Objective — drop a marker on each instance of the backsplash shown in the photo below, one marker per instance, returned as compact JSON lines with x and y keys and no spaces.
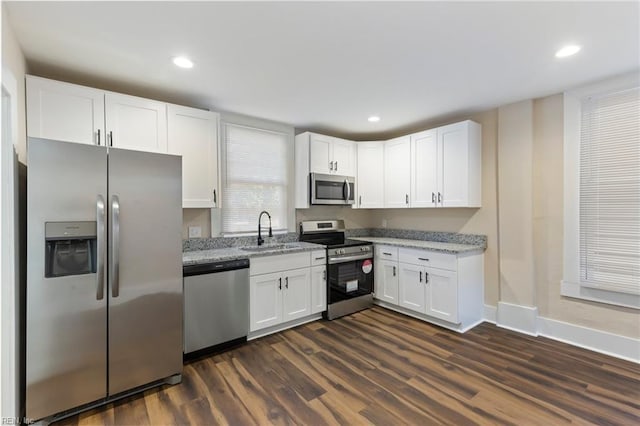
{"x":193,"y":244}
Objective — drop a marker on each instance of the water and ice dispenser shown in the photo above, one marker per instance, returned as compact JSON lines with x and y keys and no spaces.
{"x":70,"y":248}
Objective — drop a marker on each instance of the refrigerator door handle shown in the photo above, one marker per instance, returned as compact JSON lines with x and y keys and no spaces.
{"x":115,"y":246}
{"x":101,"y":247}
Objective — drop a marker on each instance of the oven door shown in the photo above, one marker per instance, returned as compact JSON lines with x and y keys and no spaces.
{"x":349,"y":279}
{"x":332,"y":189}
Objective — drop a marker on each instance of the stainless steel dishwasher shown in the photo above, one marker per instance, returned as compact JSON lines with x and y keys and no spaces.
{"x":216,"y":306}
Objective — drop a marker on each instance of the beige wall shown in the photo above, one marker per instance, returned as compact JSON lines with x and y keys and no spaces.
{"x":548,"y":232}
{"x":14,"y":61}
{"x":515,"y":150}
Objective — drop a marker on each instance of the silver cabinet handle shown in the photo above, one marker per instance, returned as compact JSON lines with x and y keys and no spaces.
{"x":426,"y":278}
{"x":101,"y":247}
{"x":280,"y":283}
{"x":110,"y":138}
{"x":394,"y":271}
{"x":115,"y":246}
{"x":433,"y":197}
{"x":348,"y":197}
{"x":336,"y":166}
{"x":420,"y":276}
{"x":330,"y":165}
{"x":319,"y":258}
{"x":386,"y":254}
{"x":422,"y":258}
{"x":360,"y":200}
{"x":406,"y":198}
{"x":98,"y":137}
{"x":439,"y":197}
{"x":215,"y":198}
{"x":286,"y":282}
{"x":324,"y":275}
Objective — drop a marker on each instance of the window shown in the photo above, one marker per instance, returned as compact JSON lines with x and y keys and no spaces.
{"x":255,"y":179}
{"x":602,"y":192}
{"x":610,"y":192}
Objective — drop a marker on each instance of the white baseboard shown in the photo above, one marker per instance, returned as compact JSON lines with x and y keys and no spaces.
{"x":490,"y":313}
{"x":281,"y":327}
{"x":518,"y":318}
{"x":599,"y":341}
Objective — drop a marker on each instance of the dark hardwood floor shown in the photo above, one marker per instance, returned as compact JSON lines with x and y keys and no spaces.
{"x":379,"y":367}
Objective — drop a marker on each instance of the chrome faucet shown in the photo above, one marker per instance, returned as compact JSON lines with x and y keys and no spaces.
{"x":260,"y":239}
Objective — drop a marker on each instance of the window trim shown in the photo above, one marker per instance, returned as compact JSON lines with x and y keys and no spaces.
{"x":571,"y":285}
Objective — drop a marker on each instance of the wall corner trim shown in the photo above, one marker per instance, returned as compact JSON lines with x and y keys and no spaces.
{"x":518,"y":318}
{"x":623,"y":347}
{"x":490,"y":313}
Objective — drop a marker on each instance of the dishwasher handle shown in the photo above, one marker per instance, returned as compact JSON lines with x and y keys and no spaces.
{"x":212,"y":268}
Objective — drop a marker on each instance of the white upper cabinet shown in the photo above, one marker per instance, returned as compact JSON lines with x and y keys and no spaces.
{"x":316,"y":153}
{"x":460,"y":158}
{"x":397,"y":173}
{"x":344,"y":157}
{"x":136,"y":123}
{"x":370,"y":176}
{"x":64,"y":111}
{"x":424,"y":169}
{"x":193,"y":134}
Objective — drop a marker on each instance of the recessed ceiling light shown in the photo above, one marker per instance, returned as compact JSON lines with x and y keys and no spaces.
{"x":183,"y":62}
{"x":373,"y":119}
{"x":569,"y":50}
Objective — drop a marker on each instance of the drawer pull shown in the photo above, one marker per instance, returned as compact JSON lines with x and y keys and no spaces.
{"x":319,"y":258}
{"x":422,"y":258}
{"x":386,"y":254}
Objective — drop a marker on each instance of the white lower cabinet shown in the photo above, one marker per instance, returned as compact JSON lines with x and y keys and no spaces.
{"x":318,"y":289}
{"x":386,"y":280}
{"x":439,"y":287}
{"x":285,"y":288}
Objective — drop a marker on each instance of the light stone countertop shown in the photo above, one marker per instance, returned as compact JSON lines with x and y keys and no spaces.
{"x":232,"y":253}
{"x":451,"y":248}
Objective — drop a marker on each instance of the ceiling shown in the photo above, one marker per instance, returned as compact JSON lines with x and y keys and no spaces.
{"x":327,"y":66}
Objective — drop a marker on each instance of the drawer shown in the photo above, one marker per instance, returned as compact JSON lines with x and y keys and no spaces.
{"x":432,"y":259}
{"x":318,"y":257}
{"x":277,"y":263}
{"x":387,"y":252}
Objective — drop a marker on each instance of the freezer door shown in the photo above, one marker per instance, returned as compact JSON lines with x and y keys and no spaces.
{"x":145,"y":270}
{"x":66,"y":307}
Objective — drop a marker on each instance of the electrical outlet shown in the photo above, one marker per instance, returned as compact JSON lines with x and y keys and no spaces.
{"x":384,"y":223}
{"x":195,"y":232}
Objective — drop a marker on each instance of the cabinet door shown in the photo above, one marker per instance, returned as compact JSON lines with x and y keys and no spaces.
{"x":412,"y":287}
{"x":318,"y":289}
{"x":193,"y":134}
{"x":265,"y":300}
{"x":320,"y":160}
{"x":64,"y":112}
{"x":296,"y":289}
{"x":136,"y":123}
{"x":370,"y":176}
{"x":397,"y":173}
{"x":424,"y":169}
{"x":386,"y":281}
{"x":344,"y":157}
{"x":453,"y":152}
{"x":442,"y":294}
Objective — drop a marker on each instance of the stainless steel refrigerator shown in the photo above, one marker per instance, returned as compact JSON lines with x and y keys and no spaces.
{"x":104,"y":274}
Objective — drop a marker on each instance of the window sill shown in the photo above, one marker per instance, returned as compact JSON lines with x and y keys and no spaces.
{"x":575,"y":290}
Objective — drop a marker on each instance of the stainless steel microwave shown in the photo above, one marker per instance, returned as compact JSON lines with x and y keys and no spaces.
{"x":332,"y":189}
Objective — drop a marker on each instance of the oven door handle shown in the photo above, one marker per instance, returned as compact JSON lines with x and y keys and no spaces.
{"x":333,"y":261}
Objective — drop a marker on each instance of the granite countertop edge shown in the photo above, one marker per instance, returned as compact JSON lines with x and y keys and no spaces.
{"x":442,"y":247}
{"x":198,"y":257}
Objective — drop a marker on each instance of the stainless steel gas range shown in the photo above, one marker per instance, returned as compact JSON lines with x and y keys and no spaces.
{"x":349,"y":267}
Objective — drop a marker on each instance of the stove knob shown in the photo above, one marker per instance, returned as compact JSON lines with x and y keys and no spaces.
{"x":341,"y":251}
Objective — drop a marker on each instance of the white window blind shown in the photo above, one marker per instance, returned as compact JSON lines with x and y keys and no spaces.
{"x":610,"y":192}
{"x":255,"y":179}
